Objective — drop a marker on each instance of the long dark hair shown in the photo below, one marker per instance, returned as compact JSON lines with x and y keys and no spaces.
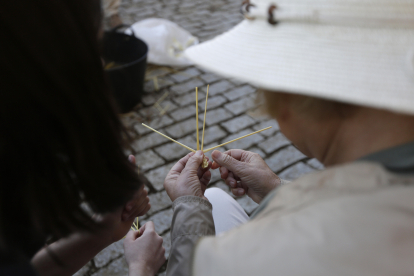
{"x":61,"y":142}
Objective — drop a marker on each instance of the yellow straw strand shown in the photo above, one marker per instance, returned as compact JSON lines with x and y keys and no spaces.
{"x":204,"y":122}
{"x":162,"y":98}
{"x":198,"y":138}
{"x":207,"y":150}
{"x":190,"y":149}
{"x":156,"y":86}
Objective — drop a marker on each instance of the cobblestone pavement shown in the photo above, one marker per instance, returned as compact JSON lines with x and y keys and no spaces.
{"x":232,"y":112}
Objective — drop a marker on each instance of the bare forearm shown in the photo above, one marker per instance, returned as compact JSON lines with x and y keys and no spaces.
{"x":68,"y":255}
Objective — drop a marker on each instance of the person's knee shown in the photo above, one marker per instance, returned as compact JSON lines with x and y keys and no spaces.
{"x":214,"y":193}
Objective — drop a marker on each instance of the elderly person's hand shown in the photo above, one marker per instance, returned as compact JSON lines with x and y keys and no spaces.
{"x":246,"y":173}
{"x":187,"y":177}
{"x":144,"y":252}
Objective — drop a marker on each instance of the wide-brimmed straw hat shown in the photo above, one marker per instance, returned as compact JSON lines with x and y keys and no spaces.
{"x":353,"y":51}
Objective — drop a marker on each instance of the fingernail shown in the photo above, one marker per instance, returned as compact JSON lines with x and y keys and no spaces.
{"x":240,"y":191}
{"x":130,"y":158}
{"x":129,"y":207}
{"x":199,"y":153}
{"x":216,"y":154}
{"x":232,"y":184}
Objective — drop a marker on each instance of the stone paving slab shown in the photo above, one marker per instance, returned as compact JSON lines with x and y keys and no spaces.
{"x":148,"y":159}
{"x":295,"y":171}
{"x":243,"y":143}
{"x":157,"y":176}
{"x":238,"y":123}
{"x":162,"y":221}
{"x":284,"y":158}
{"x":217,"y":115}
{"x":274,"y":143}
{"x":172,"y":151}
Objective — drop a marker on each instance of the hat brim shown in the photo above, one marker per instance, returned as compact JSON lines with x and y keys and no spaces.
{"x":364,"y":66}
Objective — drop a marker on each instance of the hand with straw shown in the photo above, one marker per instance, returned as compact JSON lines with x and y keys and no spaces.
{"x":246,"y":173}
{"x":187,"y":178}
{"x":144,"y":252}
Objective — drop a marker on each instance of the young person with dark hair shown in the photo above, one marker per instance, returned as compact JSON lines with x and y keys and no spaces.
{"x":63,"y":172}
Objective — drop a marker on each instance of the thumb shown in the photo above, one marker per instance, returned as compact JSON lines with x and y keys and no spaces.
{"x":194,"y":162}
{"x":228,"y":162}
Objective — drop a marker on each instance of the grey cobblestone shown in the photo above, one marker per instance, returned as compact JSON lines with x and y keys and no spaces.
{"x":274,"y":143}
{"x":113,"y":251}
{"x":157,"y":124}
{"x":315,"y":164}
{"x":156,"y":177}
{"x":148,"y":160}
{"x":238,"y":123}
{"x":212,"y":102}
{"x":239,"y":92}
{"x":172,"y":151}
{"x":159,"y":201}
{"x":283,"y":158}
{"x":217,"y":115}
{"x":148,"y":141}
{"x":215,"y":175}
{"x":184,"y":113}
{"x":210,"y":77}
{"x":162,"y":221}
{"x":149,"y":99}
{"x":186,"y":86}
{"x":185,"y":74}
{"x":162,"y":83}
{"x":183,"y":128}
{"x":218,"y":87}
{"x":118,"y":267}
{"x":270,"y":132}
{"x":152,"y":112}
{"x":211,"y":134}
{"x":243,"y":143}
{"x":295,"y":171}
{"x":189,"y":98}
{"x":240,"y":106}
{"x":258,"y":151}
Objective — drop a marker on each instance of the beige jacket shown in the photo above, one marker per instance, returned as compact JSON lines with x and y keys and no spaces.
{"x":356,"y":219}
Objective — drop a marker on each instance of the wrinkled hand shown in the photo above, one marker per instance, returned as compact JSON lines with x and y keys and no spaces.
{"x":144,"y":252}
{"x":187,"y":177}
{"x":246,"y":173}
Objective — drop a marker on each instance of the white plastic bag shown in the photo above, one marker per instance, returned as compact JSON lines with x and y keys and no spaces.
{"x":166,"y":41}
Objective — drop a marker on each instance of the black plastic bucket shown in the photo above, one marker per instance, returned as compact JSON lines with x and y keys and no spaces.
{"x":126,"y":60}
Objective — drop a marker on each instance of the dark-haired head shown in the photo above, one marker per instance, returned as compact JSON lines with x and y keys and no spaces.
{"x":61,"y":142}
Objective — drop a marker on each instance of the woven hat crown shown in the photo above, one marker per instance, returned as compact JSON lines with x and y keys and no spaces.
{"x":355,"y":51}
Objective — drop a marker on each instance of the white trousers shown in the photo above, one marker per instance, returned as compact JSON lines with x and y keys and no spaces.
{"x":227,"y":212}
